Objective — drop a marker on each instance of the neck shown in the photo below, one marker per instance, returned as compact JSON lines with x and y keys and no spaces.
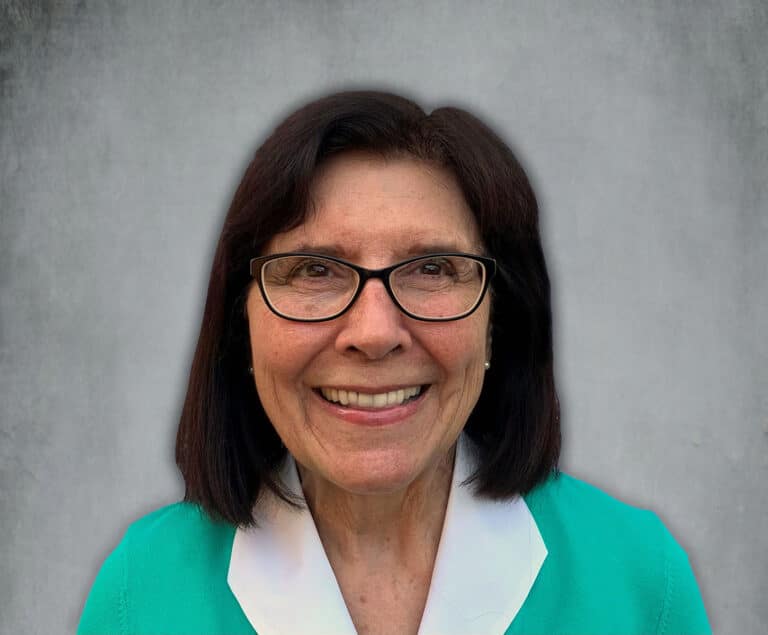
{"x":400,"y":525}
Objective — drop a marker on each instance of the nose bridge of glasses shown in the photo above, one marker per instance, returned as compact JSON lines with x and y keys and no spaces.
{"x":374,"y":276}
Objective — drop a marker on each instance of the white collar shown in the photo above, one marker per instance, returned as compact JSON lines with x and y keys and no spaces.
{"x":489,"y":556}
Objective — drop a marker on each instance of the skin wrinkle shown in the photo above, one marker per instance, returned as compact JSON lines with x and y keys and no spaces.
{"x":276,"y":397}
{"x":346,"y":522}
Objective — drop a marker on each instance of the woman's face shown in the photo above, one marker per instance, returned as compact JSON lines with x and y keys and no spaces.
{"x":372,"y":212}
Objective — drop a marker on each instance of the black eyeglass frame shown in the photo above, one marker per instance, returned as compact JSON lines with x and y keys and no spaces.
{"x":256,"y":267}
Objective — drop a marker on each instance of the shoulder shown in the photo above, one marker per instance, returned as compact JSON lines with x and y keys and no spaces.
{"x":578,"y":521}
{"x":600,"y":547}
{"x":173,"y":560}
{"x":173,"y":540}
{"x":586,"y":529}
{"x":172,"y":529}
{"x":587,"y":510}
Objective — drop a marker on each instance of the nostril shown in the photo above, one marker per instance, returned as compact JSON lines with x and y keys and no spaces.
{"x":366,"y":351}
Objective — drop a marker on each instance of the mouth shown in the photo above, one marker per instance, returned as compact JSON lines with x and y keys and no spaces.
{"x":371,"y":401}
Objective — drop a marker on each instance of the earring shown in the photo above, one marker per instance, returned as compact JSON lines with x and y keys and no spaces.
{"x":487,"y":365}
{"x":250,"y":370}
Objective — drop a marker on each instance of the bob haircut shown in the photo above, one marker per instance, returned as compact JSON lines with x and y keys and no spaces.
{"x":226,"y":448}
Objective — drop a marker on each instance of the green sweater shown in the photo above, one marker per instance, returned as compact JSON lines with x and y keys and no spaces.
{"x":610,"y":569}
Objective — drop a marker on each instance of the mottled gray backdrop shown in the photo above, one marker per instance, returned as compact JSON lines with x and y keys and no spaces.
{"x":126,"y":125}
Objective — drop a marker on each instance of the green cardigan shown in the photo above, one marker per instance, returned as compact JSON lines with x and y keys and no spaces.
{"x":610,"y":569}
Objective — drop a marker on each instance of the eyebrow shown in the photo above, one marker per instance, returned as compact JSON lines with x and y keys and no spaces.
{"x":417,"y":249}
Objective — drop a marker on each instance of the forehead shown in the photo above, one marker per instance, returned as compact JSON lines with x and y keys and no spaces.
{"x":365,"y":206}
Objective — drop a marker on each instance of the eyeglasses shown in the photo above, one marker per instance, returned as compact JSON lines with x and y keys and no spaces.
{"x":307,"y":287}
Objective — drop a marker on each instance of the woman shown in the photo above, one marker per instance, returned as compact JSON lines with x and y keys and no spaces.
{"x":371,"y":431}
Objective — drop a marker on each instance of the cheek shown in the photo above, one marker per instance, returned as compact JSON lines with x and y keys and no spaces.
{"x":463,"y":343}
{"x":280,"y":356}
{"x":277,"y":374}
{"x":461,"y":353}
{"x":280,"y":349}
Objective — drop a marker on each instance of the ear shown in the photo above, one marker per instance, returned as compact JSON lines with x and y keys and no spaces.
{"x":489,"y":344}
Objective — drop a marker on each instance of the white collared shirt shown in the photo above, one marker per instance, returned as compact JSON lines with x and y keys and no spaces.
{"x":489,"y":556}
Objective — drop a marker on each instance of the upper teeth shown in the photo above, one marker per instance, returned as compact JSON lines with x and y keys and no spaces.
{"x":368,"y":400}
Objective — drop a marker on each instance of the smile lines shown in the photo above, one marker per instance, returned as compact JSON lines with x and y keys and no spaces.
{"x":370,"y":400}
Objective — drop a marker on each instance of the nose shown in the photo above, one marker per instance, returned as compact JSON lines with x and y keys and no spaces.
{"x":373,"y":326}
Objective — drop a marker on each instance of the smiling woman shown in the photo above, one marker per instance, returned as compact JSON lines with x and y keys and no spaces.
{"x":370,"y":435}
{"x":373,"y":211}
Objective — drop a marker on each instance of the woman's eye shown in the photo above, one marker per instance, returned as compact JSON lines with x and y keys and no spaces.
{"x":435,"y":269}
{"x":313,"y":270}
{"x":430,"y":269}
{"x":304,"y":269}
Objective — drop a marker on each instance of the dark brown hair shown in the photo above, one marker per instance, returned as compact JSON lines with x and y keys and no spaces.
{"x":226,"y":448}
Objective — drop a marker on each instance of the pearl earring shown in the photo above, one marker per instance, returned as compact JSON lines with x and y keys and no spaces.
{"x":487,"y":365}
{"x":250,"y":370}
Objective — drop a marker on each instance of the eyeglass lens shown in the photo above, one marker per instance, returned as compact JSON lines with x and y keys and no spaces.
{"x":313,"y":287}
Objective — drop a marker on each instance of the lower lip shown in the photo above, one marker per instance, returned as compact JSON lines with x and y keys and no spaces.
{"x":373,"y":417}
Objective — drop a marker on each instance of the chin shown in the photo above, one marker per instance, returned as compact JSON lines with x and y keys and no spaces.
{"x":375,"y":475}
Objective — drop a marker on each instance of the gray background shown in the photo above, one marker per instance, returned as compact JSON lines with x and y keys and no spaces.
{"x":126,"y":126}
